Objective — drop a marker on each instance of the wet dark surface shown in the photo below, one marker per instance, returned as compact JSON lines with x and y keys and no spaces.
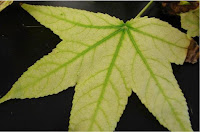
{"x":23,"y":41}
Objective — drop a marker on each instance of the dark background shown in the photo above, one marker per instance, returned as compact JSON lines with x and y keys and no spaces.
{"x":23,"y":41}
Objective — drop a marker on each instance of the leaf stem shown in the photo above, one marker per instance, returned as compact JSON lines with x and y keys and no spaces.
{"x":144,"y":9}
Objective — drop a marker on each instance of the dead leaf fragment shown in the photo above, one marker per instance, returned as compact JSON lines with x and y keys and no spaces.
{"x":175,"y":8}
{"x":193,"y":52}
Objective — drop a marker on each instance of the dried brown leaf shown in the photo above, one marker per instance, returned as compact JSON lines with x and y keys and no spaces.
{"x":193,"y":52}
{"x":175,"y":8}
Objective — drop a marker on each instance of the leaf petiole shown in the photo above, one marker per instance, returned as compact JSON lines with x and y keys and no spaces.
{"x":144,"y":9}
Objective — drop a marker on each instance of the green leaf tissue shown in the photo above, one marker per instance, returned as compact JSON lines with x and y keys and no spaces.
{"x":106,"y":60}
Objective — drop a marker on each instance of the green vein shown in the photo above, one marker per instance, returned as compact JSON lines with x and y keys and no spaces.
{"x":155,"y":100}
{"x":98,"y":126}
{"x":166,"y":80}
{"x":92,"y":76}
{"x":81,"y":63}
{"x":93,"y":56}
{"x":78,"y":124}
{"x":79,"y":24}
{"x":155,"y":24}
{"x":45,"y":85}
{"x":154,"y":77}
{"x":107,"y":79}
{"x":152,"y":36}
{"x":67,"y":51}
{"x":103,"y":19}
{"x":123,"y":78}
{"x":132,"y":68}
{"x":168,"y":68}
{"x":47,"y":63}
{"x":115,"y":90}
{"x":78,"y":56}
{"x":117,"y":94}
{"x":86,"y":93}
{"x":79,"y":110}
{"x":147,"y":88}
{"x":104,"y":113}
{"x":62,"y":79}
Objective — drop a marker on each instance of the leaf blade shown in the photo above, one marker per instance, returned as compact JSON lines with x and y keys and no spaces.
{"x":156,"y":86}
{"x":97,"y":53}
{"x":154,"y":29}
{"x":78,"y":23}
{"x":88,"y":110}
{"x":51,"y":57}
{"x":190,"y":22}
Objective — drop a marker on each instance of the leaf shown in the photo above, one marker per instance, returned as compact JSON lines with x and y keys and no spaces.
{"x":4,"y":4}
{"x":190,"y":22}
{"x":193,"y":52}
{"x":176,"y":7}
{"x":106,"y":59}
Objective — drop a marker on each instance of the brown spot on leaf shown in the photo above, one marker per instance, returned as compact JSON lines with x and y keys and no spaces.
{"x":193,"y":52}
{"x":175,"y":8}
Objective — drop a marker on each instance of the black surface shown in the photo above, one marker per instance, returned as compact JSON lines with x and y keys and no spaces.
{"x":23,"y":41}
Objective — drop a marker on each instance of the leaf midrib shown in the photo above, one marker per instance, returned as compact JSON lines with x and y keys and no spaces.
{"x":109,"y":72}
{"x":80,"y":24}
